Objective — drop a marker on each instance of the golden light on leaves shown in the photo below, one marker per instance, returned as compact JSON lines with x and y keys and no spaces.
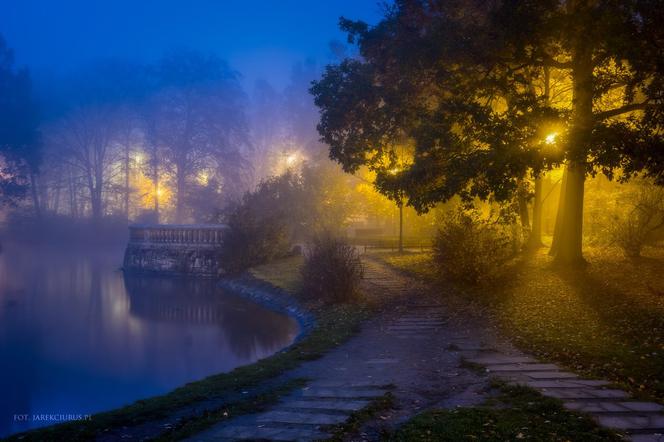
{"x":146,"y":190}
{"x":203,"y":178}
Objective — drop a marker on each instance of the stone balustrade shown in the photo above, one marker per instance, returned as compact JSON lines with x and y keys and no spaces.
{"x":189,"y":249}
{"x":204,"y":234}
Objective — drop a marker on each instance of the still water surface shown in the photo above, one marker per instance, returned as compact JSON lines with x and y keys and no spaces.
{"x":77,"y":336}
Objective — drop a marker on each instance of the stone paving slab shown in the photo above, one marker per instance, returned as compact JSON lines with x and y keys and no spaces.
{"x":522,"y":367}
{"x":366,"y":385}
{"x":652,"y":437}
{"x":342,"y":393}
{"x":291,"y":417}
{"x":383,"y":361}
{"x":565,"y":383}
{"x":345,"y":405}
{"x":415,"y":326}
{"x":498,"y":359}
{"x":613,"y":407}
{"x":584,"y":393}
{"x":541,"y":375}
{"x":278,"y":434}
{"x":632,"y":423}
{"x":470,"y":347}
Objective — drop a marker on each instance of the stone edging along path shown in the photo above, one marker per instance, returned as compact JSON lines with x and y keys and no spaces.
{"x":417,"y":353}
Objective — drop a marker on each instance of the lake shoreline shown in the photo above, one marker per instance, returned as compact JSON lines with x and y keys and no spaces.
{"x":273,"y":298}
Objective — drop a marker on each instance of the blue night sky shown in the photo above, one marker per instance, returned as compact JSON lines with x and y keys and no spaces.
{"x":260,"y":38}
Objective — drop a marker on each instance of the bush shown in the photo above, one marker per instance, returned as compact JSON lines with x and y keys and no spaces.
{"x":252,"y":239}
{"x":643,"y":222}
{"x":332,"y":270}
{"x":472,"y":250}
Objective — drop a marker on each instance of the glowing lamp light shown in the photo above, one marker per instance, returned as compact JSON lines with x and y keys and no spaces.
{"x":551,"y":138}
{"x":203,"y":178}
{"x":291,"y":159}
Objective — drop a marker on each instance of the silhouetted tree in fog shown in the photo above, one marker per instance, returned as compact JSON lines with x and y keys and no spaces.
{"x":19,"y":136}
{"x":199,"y":123}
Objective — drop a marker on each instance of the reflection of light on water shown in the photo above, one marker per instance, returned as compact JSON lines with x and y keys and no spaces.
{"x":135,"y":326}
{"x":91,"y":341}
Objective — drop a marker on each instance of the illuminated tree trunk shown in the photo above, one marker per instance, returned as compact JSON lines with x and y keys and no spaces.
{"x":568,"y":236}
{"x":523,"y":209}
{"x":569,"y":233}
{"x":401,"y":227}
{"x":535,"y":238}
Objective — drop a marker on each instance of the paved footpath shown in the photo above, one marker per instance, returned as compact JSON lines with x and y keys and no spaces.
{"x":415,"y":350}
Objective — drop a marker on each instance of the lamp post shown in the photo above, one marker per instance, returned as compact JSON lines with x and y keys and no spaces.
{"x":395,"y":171}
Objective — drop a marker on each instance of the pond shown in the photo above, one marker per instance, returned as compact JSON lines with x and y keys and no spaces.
{"x":78,"y":337}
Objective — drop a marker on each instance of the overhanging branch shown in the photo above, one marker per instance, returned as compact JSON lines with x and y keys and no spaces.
{"x":622,"y":110}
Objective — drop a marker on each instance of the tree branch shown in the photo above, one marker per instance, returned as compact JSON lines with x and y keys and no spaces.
{"x":622,"y":110}
{"x":553,"y":63}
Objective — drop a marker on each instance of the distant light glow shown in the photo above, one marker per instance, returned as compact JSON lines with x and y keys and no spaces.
{"x":291,"y":159}
{"x":203,"y":178}
{"x":551,"y":138}
{"x":395,"y":171}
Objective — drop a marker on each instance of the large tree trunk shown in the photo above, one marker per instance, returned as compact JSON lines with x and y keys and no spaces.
{"x":559,"y":215}
{"x":569,"y":241}
{"x":535,"y":238}
{"x":568,"y":236}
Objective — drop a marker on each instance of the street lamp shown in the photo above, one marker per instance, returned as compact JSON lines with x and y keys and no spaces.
{"x":551,"y":138}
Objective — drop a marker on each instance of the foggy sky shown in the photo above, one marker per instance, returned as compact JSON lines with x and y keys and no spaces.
{"x":259,"y":38}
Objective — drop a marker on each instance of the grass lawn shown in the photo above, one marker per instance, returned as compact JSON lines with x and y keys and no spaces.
{"x":284,"y":273}
{"x":334,"y":325}
{"x":516,"y":413}
{"x":605,"y":320}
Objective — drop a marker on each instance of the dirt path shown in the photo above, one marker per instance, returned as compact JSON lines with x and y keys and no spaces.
{"x":416,"y":350}
{"x":406,"y":350}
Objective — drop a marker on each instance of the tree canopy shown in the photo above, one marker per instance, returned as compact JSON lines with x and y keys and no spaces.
{"x":19,"y":135}
{"x":469,"y":85}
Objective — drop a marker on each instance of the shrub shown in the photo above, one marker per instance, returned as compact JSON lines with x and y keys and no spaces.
{"x":332,"y":270}
{"x":642,"y":223}
{"x":252,"y":239}
{"x":472,"y":250}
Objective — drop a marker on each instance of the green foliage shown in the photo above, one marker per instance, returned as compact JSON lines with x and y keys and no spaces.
{"x":516,"y":413}
{"x":332,"y":270}
{"x":470,"y":249}
{"x":478,"y":87}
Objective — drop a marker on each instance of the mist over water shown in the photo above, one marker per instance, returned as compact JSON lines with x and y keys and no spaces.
{"x":78,"y":337}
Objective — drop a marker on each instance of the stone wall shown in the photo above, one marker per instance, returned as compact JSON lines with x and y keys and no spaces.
{"x":179,"y":250}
